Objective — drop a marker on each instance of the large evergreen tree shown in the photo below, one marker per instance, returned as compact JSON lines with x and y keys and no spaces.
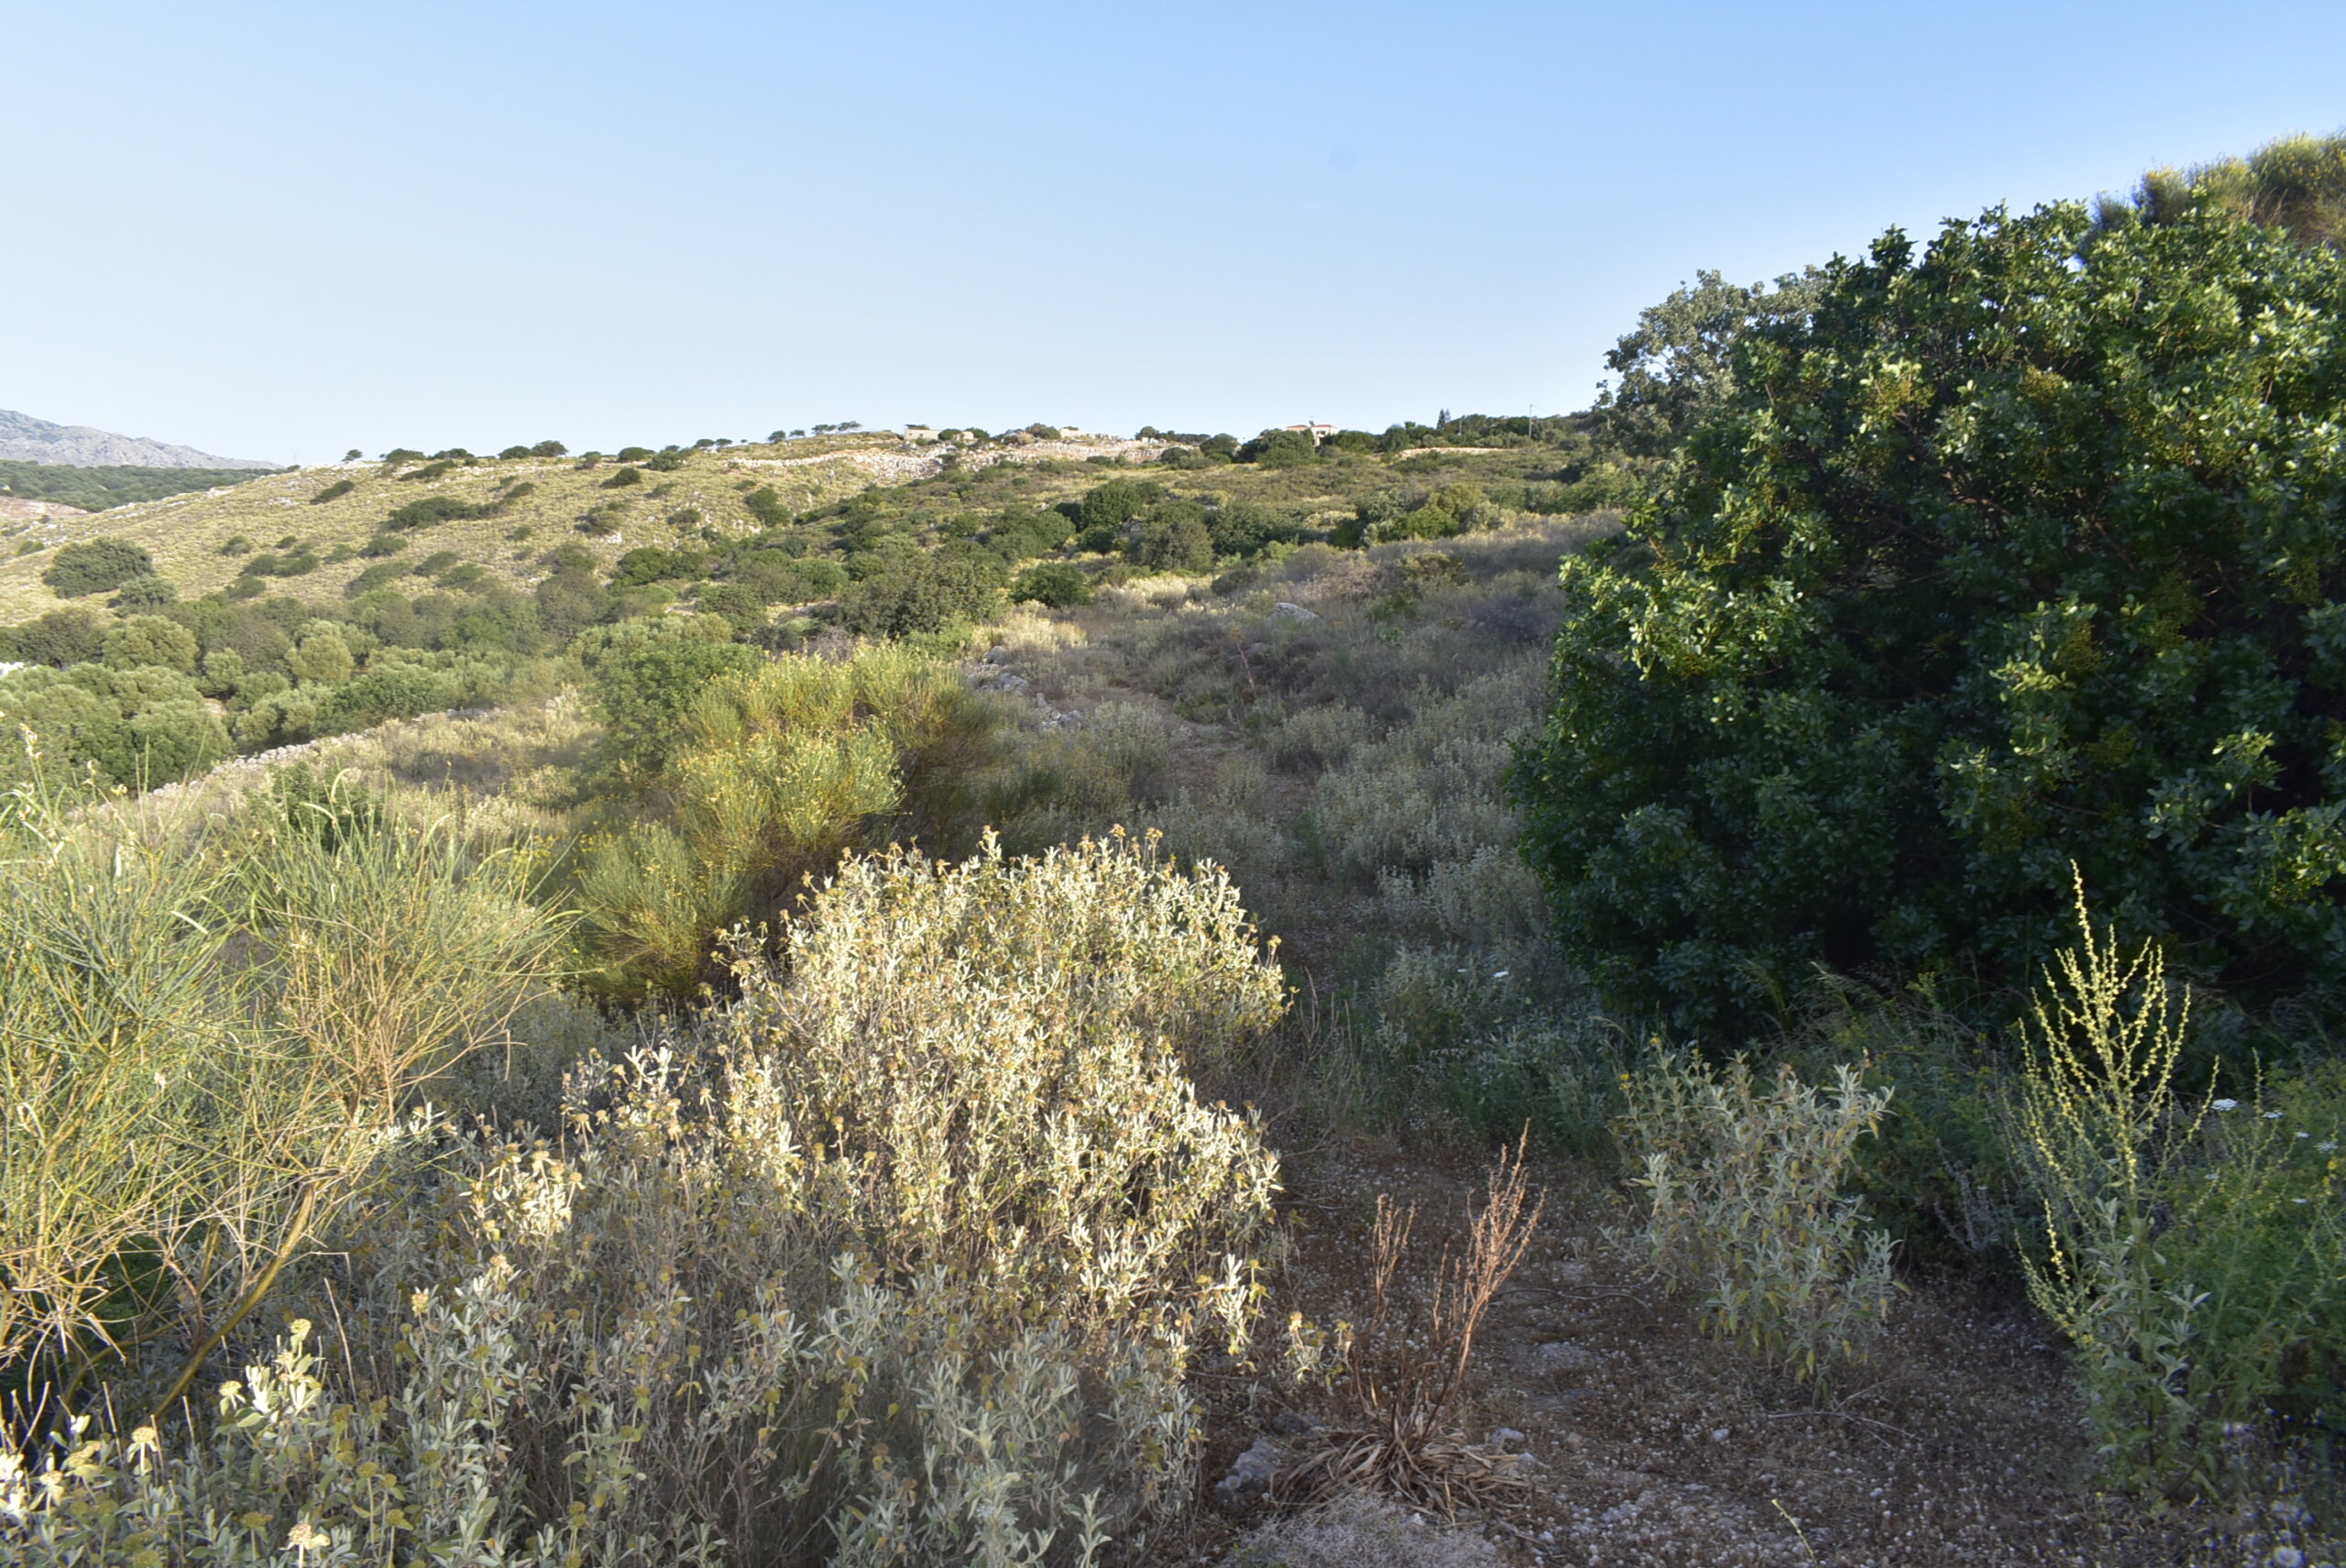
{"x":2024,"y":553}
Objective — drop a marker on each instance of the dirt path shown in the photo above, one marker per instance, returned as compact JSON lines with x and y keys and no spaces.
{"x":1654,"y":1444}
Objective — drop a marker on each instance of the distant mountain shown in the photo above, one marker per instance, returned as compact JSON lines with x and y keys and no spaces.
{"x":24,"y":439}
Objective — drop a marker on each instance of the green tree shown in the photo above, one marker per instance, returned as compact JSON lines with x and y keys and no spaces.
{"x":1173,"y":538}
{"x":925,"y":593}
{"x":150,"y":640}
{"x":642,"y":685}
{"x":1280,"y":449}
{"x":1677,"y":365}
{"x":144,"y":593}
{"x":61,"y":637}
{"x":96,"y":567}
{"x":1119,"y":501}
{"x":2019,"y":557}
{"x":1054,"y":584}
{"x":569,"y":601}
{"x":321,"y":656}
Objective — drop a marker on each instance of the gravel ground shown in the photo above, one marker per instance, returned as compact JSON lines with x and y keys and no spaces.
{"x":1959,"y":1445}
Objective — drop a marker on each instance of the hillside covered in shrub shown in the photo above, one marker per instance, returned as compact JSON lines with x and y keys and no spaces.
{"x":1749,"y":975}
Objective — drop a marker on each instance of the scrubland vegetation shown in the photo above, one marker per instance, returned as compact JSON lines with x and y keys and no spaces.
{"x":931,"y":999}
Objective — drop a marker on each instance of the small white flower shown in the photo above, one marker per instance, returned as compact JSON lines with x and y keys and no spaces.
{"x":2330,"y":1147}
{"x":2272,"y":1116}
{"x":2305,"y":1134}
{"x":1503,"y":974}
{"x":2226,"y":1104}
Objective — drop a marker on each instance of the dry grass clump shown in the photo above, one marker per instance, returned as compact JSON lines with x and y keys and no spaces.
{"x":1404,"y":1372}
{"x":901,"y":1258}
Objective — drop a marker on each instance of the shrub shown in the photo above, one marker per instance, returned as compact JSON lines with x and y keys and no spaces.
{"x":1241,"y":527}
{"x":310,"y":989}
{"x":235,"y":545}
{"x":569,"y":600}
{"x":144,"y":593}
{"x":1744,"y":1201}
{"x":334,"y":492}
{"x":1173,"y":538}
{"x":321,"y":655}
{"x":1056,"y":584}
{"x":736,"y":602}
{"x":1279,"y":449}
{"x":665,"y":462}
{"x":2194,"y":1255}
{"x":60,"y":637}
{"x":150,"y":640}
{"x":425,"y":511}
{"x":642,"y":687}
{"x":767,"y":507}
{"x":1119,"y":501}
{"x":925,"y":593}
{"x":650,"y":563}
{"x":376,"y":576}
{"x":925,"y":1324}
{"x":388,"y":691}
{"x":96,"y":567}
{"x":1020,"y":536}
{"x":773,"y":774}
{"x":548,"y":449}
{"x":2000,"y":560}
{"x":624,"y":477}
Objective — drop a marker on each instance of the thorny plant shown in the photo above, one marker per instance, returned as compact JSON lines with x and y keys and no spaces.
{"x":1404,"y":1374}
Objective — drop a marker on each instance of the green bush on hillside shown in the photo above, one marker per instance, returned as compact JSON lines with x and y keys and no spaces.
{"x":774,"y":771}
{"x":925,"y":593}
{"x":427,"y":510}
{"x":1119,"y":501}
{"x":2019,"y":555}
{"x":1055,"y":585}
{"x":334,"y":492}
{"x":144,"y":593}
{"x":96,"y":567}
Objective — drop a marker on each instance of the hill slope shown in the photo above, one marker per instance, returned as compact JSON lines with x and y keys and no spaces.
{"x":204,"y":543}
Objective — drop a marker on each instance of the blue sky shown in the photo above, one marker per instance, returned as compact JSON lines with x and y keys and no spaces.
{"x":282,"y":230}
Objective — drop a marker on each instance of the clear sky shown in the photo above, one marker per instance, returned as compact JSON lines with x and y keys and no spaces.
{"x":282,"y":230}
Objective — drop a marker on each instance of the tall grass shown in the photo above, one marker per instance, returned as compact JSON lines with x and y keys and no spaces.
{"x":211,"y":1031}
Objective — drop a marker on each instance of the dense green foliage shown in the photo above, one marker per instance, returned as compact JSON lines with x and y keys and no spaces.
{"x":96,"y":490}
{"x":2021,"y":554}
{"x":96,"y":567}
{"x":741,"y":778}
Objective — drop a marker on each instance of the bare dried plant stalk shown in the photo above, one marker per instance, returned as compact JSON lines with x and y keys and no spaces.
{"x":1399,"y":1436}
